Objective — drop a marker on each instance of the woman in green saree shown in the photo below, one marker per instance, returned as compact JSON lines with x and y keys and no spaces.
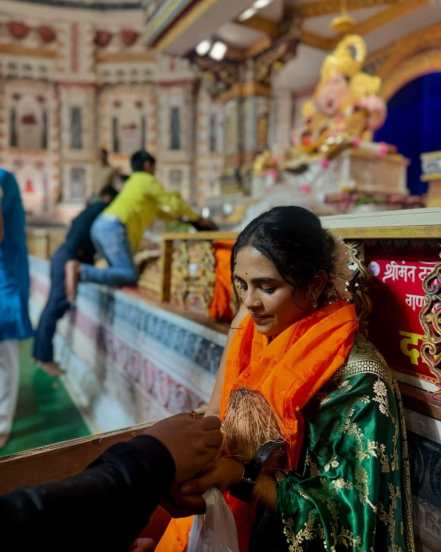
{"x":353,"y":492}
{"x":297,"y":370}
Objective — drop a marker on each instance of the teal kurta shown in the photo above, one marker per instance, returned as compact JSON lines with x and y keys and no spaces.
{"x":354,"y":489}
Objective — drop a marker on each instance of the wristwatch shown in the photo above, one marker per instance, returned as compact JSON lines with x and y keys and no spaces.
{"x":244,"y":489}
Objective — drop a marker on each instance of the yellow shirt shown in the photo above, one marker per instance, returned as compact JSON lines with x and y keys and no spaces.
{"x":141,"y":201}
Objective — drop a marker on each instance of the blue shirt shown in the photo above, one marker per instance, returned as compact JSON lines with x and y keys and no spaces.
{"x":14,"y":266}
{"x":78,"y":241}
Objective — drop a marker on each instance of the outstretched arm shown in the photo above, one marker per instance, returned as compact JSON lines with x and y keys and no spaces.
{"x":170,"y":204}
{"x":106,"y":506}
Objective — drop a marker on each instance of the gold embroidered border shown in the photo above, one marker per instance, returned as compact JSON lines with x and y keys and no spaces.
{"x":430,"y":319}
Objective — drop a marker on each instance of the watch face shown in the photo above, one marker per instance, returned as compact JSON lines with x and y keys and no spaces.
{"x":267,"y":449}
{"x":265,"y":452}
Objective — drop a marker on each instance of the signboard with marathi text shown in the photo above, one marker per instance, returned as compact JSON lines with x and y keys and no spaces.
{"x":398,"y":296}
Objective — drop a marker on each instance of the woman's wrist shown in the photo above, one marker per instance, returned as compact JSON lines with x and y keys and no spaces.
{"x":265,"y":490}
{"x":235,"y":469}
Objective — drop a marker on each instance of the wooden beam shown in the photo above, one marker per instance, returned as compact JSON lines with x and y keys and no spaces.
{"x":126,"y":57}
{"x":364,"y":27}
{"x":258,"y":47}
{"x":306,"y":10}
{"x":386,"y":16}
{"x":183,"y":23}
{"x":265,"y":26}
{"x":26,"y":51}
{"x":58,"y":461}
{"x":388,"y":232}
{"x":236,"y":54}
{"x":317,"y":41}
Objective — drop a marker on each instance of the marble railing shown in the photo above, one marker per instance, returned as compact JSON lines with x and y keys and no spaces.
{"x":127,"y":360}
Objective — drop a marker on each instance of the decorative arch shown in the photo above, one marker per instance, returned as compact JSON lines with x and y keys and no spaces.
{"x":413,"y":56}
{"x":411,"y":76}
{"x":412,"y":123}
{"x":424,"y":63}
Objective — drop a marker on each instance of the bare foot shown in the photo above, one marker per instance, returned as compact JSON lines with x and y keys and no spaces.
{"x":51,"y":368}
{"x":71,"y":273}
{"x":143,"y":545}
{"x":4,"y":438}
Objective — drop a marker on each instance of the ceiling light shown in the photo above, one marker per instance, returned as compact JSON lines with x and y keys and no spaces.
{"x":259,"y":4}
{"x":247,"y":14}
{"x":203,"y":47}
{"x":218,"y":51}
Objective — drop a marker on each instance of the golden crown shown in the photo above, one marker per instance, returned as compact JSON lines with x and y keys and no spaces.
{"x":347,"y":58}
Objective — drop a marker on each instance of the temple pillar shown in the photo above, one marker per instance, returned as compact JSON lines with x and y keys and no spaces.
{"x":175,"y":153}
{"x":281,"y":121}
{"x":76,"y":99}
{"x":209,"y":147}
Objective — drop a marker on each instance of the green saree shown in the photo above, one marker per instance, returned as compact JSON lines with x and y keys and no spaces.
{"x":354,"y":489}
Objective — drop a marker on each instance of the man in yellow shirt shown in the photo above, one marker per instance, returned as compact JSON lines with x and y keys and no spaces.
{"x":118,"y":231}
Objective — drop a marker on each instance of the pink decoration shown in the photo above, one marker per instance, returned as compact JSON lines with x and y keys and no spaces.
{"x":356,"y":142}
{"x":293,"y":137}
{"x":46,"y":33}
{"x":382,"y":149}
{"x":129,"y":36}
{"x":103,"y":38}
{"x":305,"y":188}
{"x":17,"y":29}
{"x":324,"y":163}
{"x":29,"y":187}
{"x":376,"y":108}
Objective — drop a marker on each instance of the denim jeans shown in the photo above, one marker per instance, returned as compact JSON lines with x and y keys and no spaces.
{"x":109,"y":236}
{"x":56,"y":305}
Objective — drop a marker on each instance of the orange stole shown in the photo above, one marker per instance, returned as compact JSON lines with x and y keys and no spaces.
{"x":287,"y":371}
{"x":220,"y":308}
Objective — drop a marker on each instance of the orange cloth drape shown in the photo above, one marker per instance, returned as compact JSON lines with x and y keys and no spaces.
{"x":288,"y":372}
{"x":220,"y":308}
{"x":290,"y":369}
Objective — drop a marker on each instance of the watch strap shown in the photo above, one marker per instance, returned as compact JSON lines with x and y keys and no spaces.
{"x":244,"y":489}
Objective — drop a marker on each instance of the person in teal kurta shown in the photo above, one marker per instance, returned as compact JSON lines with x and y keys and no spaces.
{"x":14,"y":296}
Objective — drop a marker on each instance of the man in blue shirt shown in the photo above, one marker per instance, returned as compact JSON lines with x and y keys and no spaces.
{"x":79,"y":246}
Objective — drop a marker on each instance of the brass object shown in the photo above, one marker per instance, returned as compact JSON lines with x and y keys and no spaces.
{"x":358,"y":286}
{"x":430,"y":319}
{"x":193,"y":275}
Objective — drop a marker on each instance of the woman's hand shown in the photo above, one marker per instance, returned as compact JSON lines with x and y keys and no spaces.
{"x":225,"y":473}
{"x":178,"y":505}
